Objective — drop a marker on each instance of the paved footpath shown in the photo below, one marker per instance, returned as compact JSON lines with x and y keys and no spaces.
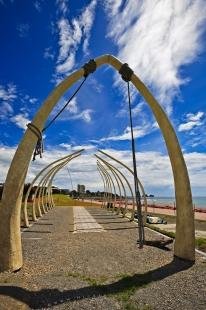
{"x":85,"y":222}
{"x":100,"y":269}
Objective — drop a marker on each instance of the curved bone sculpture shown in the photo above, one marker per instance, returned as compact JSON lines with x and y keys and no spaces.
{"x":104,"y":183}
{"x":132,"y":172}
{"x":124,"y":190}
{"x":39,"y":189}
{"x":115,"y":171}
{"x":123,"y":176}
{"x":119,"y":187}
{"x":108,"y":186}
{"x":50,"y":173}
{"x":26,"y":222}
{"x":50,"y":176}
{"x":10,"y":236}
{"x":111,"y":182}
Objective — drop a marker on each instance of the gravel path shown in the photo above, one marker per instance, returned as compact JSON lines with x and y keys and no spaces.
{"x":99,"y":270}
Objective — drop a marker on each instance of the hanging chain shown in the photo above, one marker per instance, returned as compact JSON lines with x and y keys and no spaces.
{"x":39,"y":145}
{"x":66,"y":104}
{"x":126,"y":74}
{"x":88,"y":68}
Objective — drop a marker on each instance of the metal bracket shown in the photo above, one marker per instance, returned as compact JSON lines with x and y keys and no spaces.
{"x":126,"y":72}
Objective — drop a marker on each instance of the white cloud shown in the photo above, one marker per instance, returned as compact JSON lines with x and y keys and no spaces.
{"x":27,"y":98}
{"x":33,"y":100}
{"x":72,"y":107}
{"x":154,"y":169}
{"x":48,"y":53}
{"x":112,"y":6}
{"x":63,"y":6}
{"x":96,"y":85}
{"x":8,"y":94}
{"x":71,"y":35}
{"x":66,"y":146}
{"x":23,"y":30}
{"x":3,"y":2}
{"x":86,"y":115}
{"x":7,"y":154}
{"x":157,"y":38}
{"x":6,"y":110}
{"x":72,"y":111}
{"x":135,"y":110}
{"x":195,"y":117}
{"x":20,"y":120}
{"x":37,"y":6}
{"x":188,"y":126}
{"x":196,"y":163}
{"x":199,"y":139}
{"x":138,"y":131}
{"x":87,"y":20}
{"x":193,"y":120}
{"x":72,"y":148}
{"x":68,"y":37}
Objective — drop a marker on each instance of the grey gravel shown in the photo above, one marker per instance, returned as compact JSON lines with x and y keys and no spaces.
{"x":63,"y":270}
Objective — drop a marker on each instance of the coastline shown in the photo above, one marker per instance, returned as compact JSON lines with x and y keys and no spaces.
{"x":200,"y":214}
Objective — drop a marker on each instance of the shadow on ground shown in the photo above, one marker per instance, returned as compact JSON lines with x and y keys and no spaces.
{"x":50,"y":297}
{"x":38,"y":231}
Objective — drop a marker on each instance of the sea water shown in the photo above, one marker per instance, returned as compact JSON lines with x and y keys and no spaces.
{"x":198,"y":202}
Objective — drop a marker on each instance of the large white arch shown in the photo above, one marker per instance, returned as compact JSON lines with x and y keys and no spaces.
{"x":10,"y":237}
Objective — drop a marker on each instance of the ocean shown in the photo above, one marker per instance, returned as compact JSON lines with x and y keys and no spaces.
{"x":199,"y":202}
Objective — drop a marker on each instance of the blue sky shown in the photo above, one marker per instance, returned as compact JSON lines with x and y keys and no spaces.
{"x":43,"y":41}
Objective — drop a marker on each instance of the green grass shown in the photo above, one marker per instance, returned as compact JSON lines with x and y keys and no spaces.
{"x":160,"y":230}
{"x":91,"y":281}
{"x":127,"y":285}
{"x":60,"y":200}
{"x":63,"y":200}
{"x":171,"y":219}
{"x":199,"y":242}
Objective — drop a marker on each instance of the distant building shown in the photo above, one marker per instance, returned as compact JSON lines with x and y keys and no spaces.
{"x":80,"y":188}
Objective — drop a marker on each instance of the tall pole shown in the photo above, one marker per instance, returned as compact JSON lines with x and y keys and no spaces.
{"x":137,"y":192}
{"x":70,"y":180}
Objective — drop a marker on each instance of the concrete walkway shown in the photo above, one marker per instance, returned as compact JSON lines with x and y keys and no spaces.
{"x":64,"y":270}
{"x":84,"y":221}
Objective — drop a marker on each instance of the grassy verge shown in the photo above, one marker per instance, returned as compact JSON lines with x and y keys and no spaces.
{"x":199,"y":224}
{"x":127,"y":285}
{"x":199,"y":242}
{"x":60,"y":200}
{"x":63,"y":200}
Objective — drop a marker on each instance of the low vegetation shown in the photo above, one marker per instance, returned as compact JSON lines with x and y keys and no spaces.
{"x":171,"y":219}
{"x":200,"y":242}
{"x":64,"y":200}
{"x":127,"y":286}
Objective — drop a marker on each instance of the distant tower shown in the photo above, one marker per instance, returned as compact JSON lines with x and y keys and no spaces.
{"x":80,"y":188}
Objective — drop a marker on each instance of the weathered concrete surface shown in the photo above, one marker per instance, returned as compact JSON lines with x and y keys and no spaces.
{"x":65,"y":270}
